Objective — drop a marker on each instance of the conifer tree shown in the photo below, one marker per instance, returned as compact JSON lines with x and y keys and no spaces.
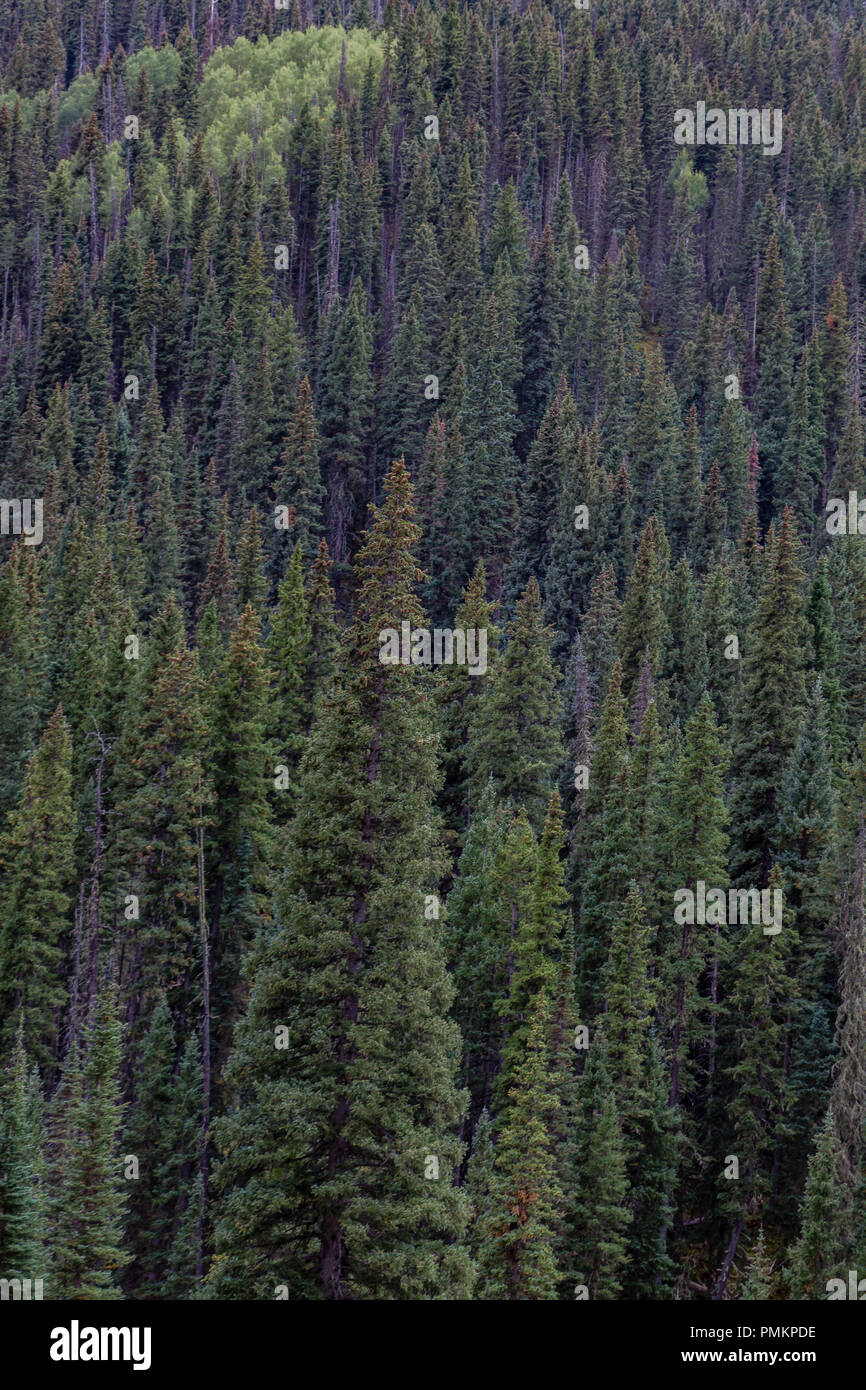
{"x":801,"y":471}
{"x":822,"y":1250}
{"x":602,"y":859}
{"x":343,"y":407}
{"x":321,"y":615}
{"x":767,"y":723}
{"x":599,"y":1214}
{"x":569,"y":574}
{"x":488,"y":425}
{"x":298,"y":484}
{"x":289,"y":659}
{"x":849,"y":1077}
{"x":697,"y":846}
{"x":87,"y":1202}
{"x":686,"y":667}
{"x":545,"y":469}
{"x":485,"y":907}
{"x":773,"y":404}
{"x":458,"y":695}
{"x":22,"y":1194}
{"x":629,"y":998}
{"x":21,"y":669}
{"x":539,"y":940}
{"x":252,"y":585}
{"x":525,"y":1184}
{"x":239,"y":845}
{"x":165,"y":796}
{"x":758,"y":1283}
{"x":643,"y":625}
{"x":354,"y":972}
{"x":759,"y":1087}
{"x":731,"y":448}
{"x":481,"y":1196}
{"x":35,"y":911}
{"x":514,"y":734}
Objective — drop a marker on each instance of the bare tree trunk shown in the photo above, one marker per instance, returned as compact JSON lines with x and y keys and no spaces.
{"x":74,"y":987}
{"x":725,"y":1271}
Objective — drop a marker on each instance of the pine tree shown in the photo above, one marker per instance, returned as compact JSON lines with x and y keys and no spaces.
{"x":758,"y":1283}
{"x":182,"y":1278}
{"x":835,"y":355}
{"x":298,"y":484}
{"x":87,"y":1203}
{"x":825,"y":645}
{"x":364,"y":1089}
{"x":488,"y":424}
{"x":148,"y":1138}
{"x":239,"y":845}
{"x":773,"y":404}
{"x":602,"y":858}
{"x":405,"y":410}
{"x":686,"y":667}
{"x":643,"y":625}
{"x":629,"y":999}
{"x":459,"y":692}
{"x":21,"y":669}
{"x":573,"y":547}
{"x":525,"y":1185}
{"x":343,"y":407}
{"x":539,"y":941}
{"x":758,"y":1086}
{"x":166,"y":793}
{"x":696,"y":852}
{"x":656,"y":445}
{"x":35,"y":912}
{"x":731,"y":448}
{"x":767,"y":723}
{"x":801,"y":471}
{"x":822,"y":1249}
{"x":484,"y":909}
{"x":22,"y":1196}
{"x":514,"y":734}
{"x":483,"y":1223}
{"x":807,"y":855}
{"x":545,"y":468}
{"x":321,"y":616}
{"x":599,"y":1215}
{"x":219,"y":584}
{"x":289,"y":659}
{"x":252,"y":585}
{"x":849,"y":1076}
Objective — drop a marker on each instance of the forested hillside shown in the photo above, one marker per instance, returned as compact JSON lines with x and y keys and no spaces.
{"x":331,"y":968}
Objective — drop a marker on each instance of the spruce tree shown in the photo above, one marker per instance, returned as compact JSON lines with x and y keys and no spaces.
{"x":539,"y":941}
{"x":525,"y":1184}
{"x":338,"y":1147}
{"x":823,"y":1248}
{"x":459,"y":693}
{"x":599,"y":1213}
{"x":87,"y":1202}
{"x":298,"y":485}
{"x":35,"y":911}
{"x":767,"y":723}
{"x":22,"y":1194}
{"x":289,"y":659}
{"x":514,"y":734}
{"x":482,"y":917}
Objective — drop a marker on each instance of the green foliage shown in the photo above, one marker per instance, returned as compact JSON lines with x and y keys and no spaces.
{"x":273,"y":80}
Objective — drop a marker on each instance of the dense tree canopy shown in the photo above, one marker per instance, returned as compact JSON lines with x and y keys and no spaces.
{"x":432,"y":650}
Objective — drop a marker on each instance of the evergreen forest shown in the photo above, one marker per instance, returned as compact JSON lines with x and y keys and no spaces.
{"x":432,"y":649}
